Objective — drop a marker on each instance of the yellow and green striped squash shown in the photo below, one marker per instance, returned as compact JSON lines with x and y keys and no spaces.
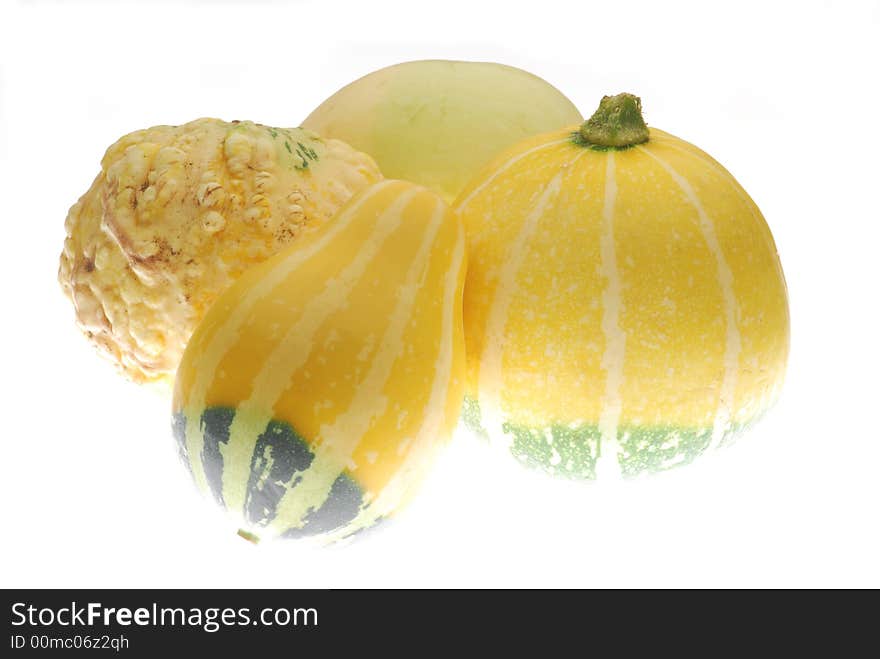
{"x":625,"y":308}
{"x":318,"y":388}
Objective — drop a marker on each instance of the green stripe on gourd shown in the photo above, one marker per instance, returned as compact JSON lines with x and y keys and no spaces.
{"x":472,"y":418}
{"x":571,"y":451}
{"x":280,"y":458}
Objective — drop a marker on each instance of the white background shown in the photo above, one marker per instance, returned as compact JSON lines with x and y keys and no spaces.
{"x":785,"y":95}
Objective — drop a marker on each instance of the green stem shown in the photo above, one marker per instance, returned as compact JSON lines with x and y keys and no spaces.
{"x":247,"y":535}
{"x":617,"y":124}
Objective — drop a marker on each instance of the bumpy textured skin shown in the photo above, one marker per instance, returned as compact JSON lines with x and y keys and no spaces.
{"x":178,"y":213}
{"x":317,"y":390}
{"x":437,"y":122}
{"x":625,"y":310}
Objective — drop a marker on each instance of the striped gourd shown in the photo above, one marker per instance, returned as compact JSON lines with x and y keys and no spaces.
{"x":625,"y":308}
{"x":319,"y":387}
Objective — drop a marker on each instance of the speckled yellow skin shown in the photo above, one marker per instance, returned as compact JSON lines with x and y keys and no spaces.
{"x":178,"y":213}
{"x":624,"y":309}
{"x":437,"y":122}
{"x":350,"y":345}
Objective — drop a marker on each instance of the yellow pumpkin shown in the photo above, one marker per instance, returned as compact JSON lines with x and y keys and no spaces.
{"x":437,"y":122}
{"x":625,"y":307}
{"x":319,"y":386}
